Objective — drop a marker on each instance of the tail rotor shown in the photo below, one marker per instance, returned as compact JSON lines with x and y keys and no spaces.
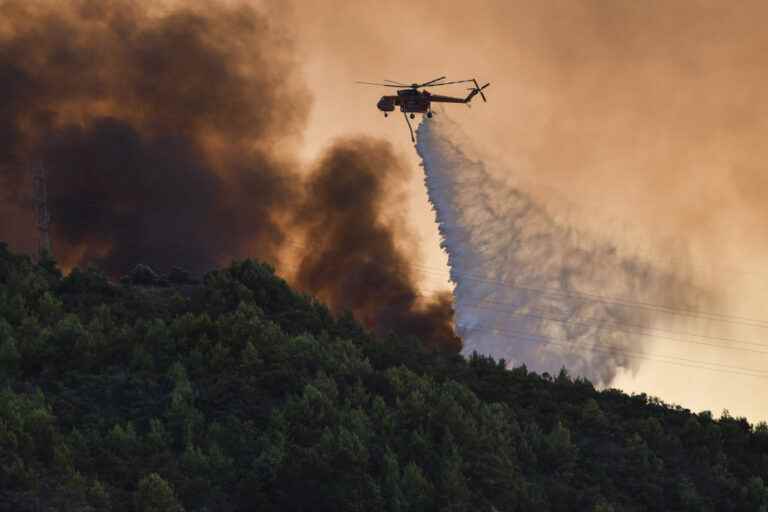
{"x":480,"y":89}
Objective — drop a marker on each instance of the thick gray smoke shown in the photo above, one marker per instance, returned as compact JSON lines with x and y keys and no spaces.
{"x":529,"y":288}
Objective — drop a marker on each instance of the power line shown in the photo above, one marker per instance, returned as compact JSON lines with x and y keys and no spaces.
{"x":615,"y":324}
{"x":691,"y":363}
{"x":645,"y":334}
{"x":718,"y":317}
{"x":608,"y":348}
{"x":612,"y":324}
{"x":479,"y":305}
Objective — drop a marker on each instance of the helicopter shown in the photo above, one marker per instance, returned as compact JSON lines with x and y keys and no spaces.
{"x":412,"y":101}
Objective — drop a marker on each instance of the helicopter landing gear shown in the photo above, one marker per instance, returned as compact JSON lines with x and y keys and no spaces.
{"x":429,"y":115}
{"x":413,"y":116}
{"x":385,"y":114}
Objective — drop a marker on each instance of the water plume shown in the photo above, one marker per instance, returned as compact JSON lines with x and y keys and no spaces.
{"x":528,"y":287}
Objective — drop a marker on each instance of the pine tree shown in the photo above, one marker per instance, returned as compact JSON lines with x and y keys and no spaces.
{"x":156,"y":495}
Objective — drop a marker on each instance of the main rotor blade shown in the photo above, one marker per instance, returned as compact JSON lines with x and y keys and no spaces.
{"x":431,"y":81}
{"x":448,"y":83}
{"x":397,"y":83}
{"x":382,"y":85}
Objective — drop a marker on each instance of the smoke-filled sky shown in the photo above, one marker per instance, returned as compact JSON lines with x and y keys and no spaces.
{"x":651,"y":107}
{"x":637,"y":122}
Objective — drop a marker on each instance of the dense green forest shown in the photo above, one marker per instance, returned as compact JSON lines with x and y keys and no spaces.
{"x":237,"y":393}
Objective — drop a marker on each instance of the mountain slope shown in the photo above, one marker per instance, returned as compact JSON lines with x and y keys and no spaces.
{"x":237,"y":393}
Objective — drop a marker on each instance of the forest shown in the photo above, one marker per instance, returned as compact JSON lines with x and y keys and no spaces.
{"x":233,"y":392}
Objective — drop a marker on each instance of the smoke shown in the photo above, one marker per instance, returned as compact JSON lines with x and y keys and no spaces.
{"x":355,"y":262}
{"x":170,"y":132}
{"x":649,"y":114}
{"x":530,"y":288}
{"x":156,"y":129}
{"x":649,"y":118}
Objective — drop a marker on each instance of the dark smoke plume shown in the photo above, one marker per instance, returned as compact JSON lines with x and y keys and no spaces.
{"x":155,"y":129}
{"x":165,"y":131}
{"x":354,"y":262}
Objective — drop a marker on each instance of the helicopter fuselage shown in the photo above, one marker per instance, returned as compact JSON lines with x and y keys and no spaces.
{"x":409,"y":100}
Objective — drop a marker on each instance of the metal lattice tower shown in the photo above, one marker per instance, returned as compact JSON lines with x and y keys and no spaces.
{"x":41,"y":207}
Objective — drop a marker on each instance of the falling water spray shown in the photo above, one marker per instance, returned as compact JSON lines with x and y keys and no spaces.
{"x":529,"y":288}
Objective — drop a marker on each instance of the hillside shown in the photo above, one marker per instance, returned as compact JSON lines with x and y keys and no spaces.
{"x":237,"y":393}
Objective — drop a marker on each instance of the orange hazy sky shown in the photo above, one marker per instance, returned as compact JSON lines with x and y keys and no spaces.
{"x":638,"y":122}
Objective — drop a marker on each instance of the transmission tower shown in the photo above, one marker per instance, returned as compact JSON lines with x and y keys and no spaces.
{"x":41,"y":207}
